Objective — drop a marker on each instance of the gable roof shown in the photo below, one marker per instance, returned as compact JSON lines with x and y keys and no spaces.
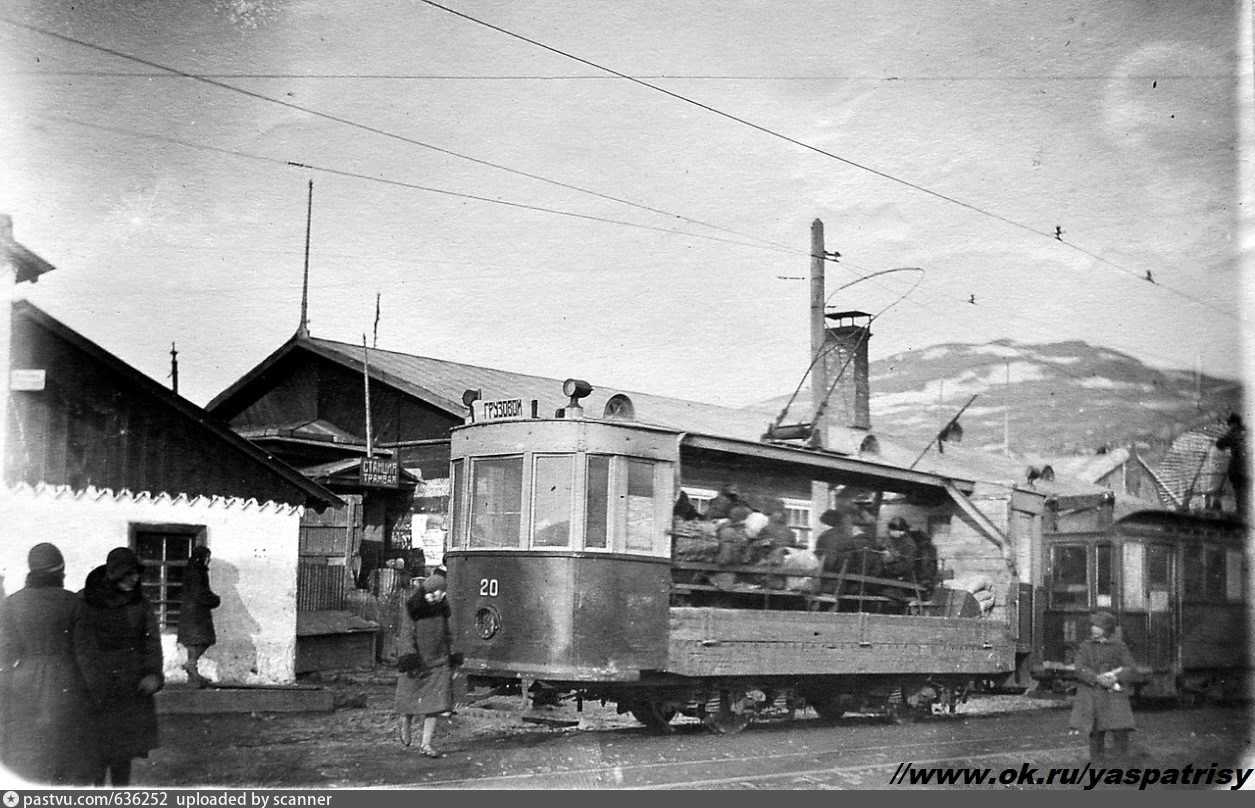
{"x":27,"y":266}
{"x":441,"y":384}
{"x":25,"y":310}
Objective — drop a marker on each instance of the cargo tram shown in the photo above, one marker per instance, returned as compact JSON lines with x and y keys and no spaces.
{"x":1176,"y":581}
{"x":565,"y":577}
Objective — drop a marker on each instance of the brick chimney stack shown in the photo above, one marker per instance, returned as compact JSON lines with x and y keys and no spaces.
{"x":846,"y":364}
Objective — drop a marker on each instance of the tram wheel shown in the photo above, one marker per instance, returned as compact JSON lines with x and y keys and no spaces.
{"x":829,"y":706}
{"x":729,"y":718}
{"x":655,"y":715}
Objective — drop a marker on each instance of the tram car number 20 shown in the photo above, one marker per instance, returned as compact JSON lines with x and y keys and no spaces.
{"x":488,"y":587}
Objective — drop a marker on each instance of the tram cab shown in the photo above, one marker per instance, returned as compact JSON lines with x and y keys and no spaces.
{"x":558,"y":533}
{"x":1176,"y":583}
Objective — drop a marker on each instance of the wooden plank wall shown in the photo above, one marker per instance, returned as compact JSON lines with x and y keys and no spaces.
{"x":726,"y":642}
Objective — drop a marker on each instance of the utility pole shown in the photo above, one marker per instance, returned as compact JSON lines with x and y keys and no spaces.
{"x":303,"y":329}
{"x":819,"y":375}
{"x":370,"y":444}
{"x":1006,"y":413}
{"x":174,"y":369}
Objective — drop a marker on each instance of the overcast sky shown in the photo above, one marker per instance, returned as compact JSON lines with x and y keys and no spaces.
{"x":516,"y":207}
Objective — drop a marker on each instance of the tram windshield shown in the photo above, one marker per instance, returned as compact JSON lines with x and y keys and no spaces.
{"x":561,"y":500}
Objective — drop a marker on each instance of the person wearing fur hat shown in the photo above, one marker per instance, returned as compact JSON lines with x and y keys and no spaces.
{"x":196,"y":622}
{"x":1104,"y":668}
{"x":118,"y":644}
{"x":48,"y":726}
{"x":426,"y":661}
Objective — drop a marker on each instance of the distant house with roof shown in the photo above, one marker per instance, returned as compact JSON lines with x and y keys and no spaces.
{"x":101,"y":456}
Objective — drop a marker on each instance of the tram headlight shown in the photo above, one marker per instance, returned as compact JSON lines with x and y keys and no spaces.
{"x":487,"y":622}
{"x":576,"y":389}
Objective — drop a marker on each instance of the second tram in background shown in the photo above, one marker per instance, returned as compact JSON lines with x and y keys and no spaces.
{"x":1177,"y":584}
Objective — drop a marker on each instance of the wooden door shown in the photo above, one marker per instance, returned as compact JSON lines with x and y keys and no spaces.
{"x":328,"y":543}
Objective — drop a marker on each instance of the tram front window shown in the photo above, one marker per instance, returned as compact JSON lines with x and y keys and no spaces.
{"x":1104,"y":577}
{"x":640,"y":505}
{"x":1069,"y":577}
{"x":496,"y":502}
{"x":597,"y":502}
{"x":551,"y":501}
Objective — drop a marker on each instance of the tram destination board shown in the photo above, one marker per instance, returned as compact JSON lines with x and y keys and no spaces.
{"x":504,"y":409}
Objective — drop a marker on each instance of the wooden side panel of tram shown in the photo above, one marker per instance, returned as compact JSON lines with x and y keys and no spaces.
{"x":724,"y":642}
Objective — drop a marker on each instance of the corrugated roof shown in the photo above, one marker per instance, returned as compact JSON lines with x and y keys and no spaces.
{"x":1193,"y":465}
{"x":441,"y":383}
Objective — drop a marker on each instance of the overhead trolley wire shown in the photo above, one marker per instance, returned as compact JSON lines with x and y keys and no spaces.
{"x":852,"y":163}
{"x":402,"y":184}
{"x":388,"y":134}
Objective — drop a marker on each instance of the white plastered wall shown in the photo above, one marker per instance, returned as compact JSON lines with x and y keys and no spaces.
{"x":253,"y":569}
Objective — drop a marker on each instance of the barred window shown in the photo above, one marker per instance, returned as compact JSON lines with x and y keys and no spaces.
{"x":164,"y":551}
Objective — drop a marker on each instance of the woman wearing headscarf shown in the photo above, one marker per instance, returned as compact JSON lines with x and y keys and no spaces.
{"x":425,"y":664}
{"x":47,"y":721}
{"x":1104,"y":668}
{"x":118,"y":643}
{"x":196,"y":622}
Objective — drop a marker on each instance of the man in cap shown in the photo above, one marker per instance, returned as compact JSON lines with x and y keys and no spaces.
{"x":1104,"y":668}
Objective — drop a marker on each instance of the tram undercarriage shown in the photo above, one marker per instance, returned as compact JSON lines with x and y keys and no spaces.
{"x":726,"y":705}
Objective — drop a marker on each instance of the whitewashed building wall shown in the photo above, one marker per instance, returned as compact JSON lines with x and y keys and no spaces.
{"x":253,"y":569}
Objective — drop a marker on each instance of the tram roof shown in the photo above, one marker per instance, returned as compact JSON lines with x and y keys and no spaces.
{"x":888,"y":476}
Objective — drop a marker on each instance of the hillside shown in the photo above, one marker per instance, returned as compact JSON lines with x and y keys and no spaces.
{"x":1058,"y":398}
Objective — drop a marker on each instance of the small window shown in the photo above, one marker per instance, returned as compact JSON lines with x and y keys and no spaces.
{"x":798,"y":517}
{"x":1216,"y":578}
{"x":1134,"y":577}
{"x":164,"y":551}
{"x":1233,"y":576}
{"x":1104,"y":577}
{"x":1194,"y":572}
{"x":496,"y":502}
{"x":597,"y":502}
{"x":456,"y":499}
{"x":1069,"y":577}
{"x":640,"y":504}
{"x":552,"y":477}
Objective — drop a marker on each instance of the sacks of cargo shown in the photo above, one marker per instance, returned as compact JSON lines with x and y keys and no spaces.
{"x":695,"y":541}
{"x":979,"y":587}
{"x":800,"y":568}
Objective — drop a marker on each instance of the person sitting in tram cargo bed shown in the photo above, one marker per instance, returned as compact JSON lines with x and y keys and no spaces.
{"x":897,"y":551}
{"x":720,"y":507}
{"x":733,"y":545}
{"x":776,"y":535}
{"x":1104,"y":666}
{"x":845,"y":549}
{"x":927,"y":571}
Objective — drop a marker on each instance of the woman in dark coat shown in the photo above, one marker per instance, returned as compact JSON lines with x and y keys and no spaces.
{"x":196,"y":622}
{"x":118,"y":643}
{"x":425,"y":680}
{"x":1104,"y":667}
{"x":47,"y":720}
